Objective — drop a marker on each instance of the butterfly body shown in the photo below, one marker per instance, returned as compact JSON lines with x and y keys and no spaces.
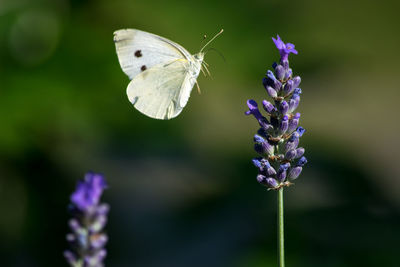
{"x":162,"y":72}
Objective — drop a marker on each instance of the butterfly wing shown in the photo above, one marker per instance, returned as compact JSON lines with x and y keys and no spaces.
{"x":162,"y":91}
{"x":138,"y":51}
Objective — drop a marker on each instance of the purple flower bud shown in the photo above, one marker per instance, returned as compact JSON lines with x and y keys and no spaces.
{"x":70,"y":257}
{"x":268,"y":148}
{"x":261,"y":179}
{"x":264,"y":148}
{"x":98,"y":241}
{"x":288,"y":73}
{"x":264,"y":166}
{"x":70,"y":238}
{"x":294,"y":173}
{"x":258,"y":139}
{"x":294,"y":102}
{"x":292,"y":143}
{"x":284,"y":107}
{"x":291,"y":154}
{"x":284,"y":125}
{"x":271,"y":92}
{"x":297,"y":91}
{"x":98,"y":224}
{"x":281,"y":175}
{"x":267,"y":168}
{"x":288,"y":88}
{"x":101,"y":255}
{"x":103,"y":209}
{"x":271,"y":75}
{"x":294,"y":122}
{"x":270,"y":182}
{"x":272,"y":81}
{"x":296,"y":81}
{"x":284,"y":166}
{"x":267,"y":81}
{"x":257,"y":163}
{"x":253,"y":110}
{"x":301,"y":131}
{"x":96,"y":259}
{"x":302,"y":161}
{"x":268,"y":107}
{"x":299,"y":152}
{"x":74,"y":225}
{"x":280,"y":72}
{"x":295,"y":134}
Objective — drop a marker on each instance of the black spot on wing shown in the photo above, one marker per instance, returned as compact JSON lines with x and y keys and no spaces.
{"x":138,"y":53}
{"x":143,"y":68}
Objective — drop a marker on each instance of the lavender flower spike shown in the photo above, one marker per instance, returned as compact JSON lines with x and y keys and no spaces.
{"x":87,"y":239}
{"x":278,"y":139}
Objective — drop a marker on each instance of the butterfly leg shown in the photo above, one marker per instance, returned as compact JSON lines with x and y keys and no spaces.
{"x":198,"y":87}
{"x":205,"y":75}
{"x":205,"y":67}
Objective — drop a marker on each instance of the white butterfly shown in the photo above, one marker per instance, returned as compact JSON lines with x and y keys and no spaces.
{"x":162,"y":72}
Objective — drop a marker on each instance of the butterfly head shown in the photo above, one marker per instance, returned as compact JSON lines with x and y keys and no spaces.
{"x":199,"y":56}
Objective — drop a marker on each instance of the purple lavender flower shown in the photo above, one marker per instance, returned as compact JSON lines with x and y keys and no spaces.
{"x":87,"y":239}
{"x":253,"y":110}
{"x":279,"y":136}
{"x":284,"y":49}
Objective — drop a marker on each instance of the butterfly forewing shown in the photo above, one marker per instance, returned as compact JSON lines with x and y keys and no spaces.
{"x":138,"y":51}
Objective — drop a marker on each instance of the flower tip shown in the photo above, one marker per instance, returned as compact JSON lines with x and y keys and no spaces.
{"x":278,"y":42}
{"x":301,"y":131}
{"x":297,"y":91}
{"x":257,"y":162}
{"x":252,"y":104}
{"x":302,"y":161}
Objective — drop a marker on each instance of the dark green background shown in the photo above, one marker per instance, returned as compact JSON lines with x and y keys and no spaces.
{"x":183,"y":192}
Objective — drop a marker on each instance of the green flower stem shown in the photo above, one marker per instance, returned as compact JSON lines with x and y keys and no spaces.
{"x":281,"y":249}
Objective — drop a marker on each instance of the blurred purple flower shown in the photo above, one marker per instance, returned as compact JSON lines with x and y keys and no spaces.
{"x":89,"y":218}
{"x":87,"y":193}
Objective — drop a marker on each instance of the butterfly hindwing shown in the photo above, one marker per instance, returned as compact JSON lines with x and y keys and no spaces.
{"x":158,"y":91}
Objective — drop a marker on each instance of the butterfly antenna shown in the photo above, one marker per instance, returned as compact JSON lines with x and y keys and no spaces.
{"x":212,"y":39}
{"x":202,"y":41}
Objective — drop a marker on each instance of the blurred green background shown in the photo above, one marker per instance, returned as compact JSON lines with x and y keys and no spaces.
{"x":184,"y":192}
